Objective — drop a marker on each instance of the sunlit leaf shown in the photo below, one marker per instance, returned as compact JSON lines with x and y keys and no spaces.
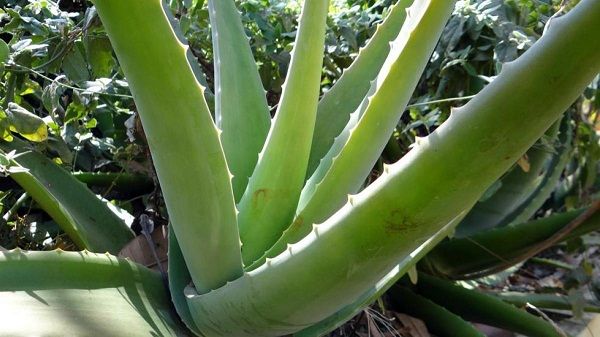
{"x":25,"y":123}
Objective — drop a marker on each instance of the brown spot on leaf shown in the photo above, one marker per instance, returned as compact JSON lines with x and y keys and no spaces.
{"x":298,"y":222}
{"x":397,"y":222}
{"x":260,"y":197}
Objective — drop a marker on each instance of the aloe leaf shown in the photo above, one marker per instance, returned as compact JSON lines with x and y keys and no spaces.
{"x":522,"y":193}
{"x":447,"y":172}
{"x":347,"y":93}
{"x":481,"y":308}
{"x":127,"y":185}
{"x":269,"y":202}
{"x":438,"y":319}
{"x":244,"y":120}
{"x":81,"y":214}
{"x":354,"y":152}
{"x":346,"y":313}
{"x":542,"y":301}
{"x":487,"y":252}
{"x":179,"y":279}
{"x":302,"y":223}
{"x":515,"y":188}
{"x":82,"y":294}
{"x":183,"y":139}
{"x":551,"y":177}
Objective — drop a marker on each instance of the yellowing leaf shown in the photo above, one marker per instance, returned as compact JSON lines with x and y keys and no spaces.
{"x":28,"y":125}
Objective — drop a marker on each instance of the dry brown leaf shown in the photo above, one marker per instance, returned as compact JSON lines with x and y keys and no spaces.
{"x":138,"y":250}
{"x":413,"y":326}
{"x":491,"y":331}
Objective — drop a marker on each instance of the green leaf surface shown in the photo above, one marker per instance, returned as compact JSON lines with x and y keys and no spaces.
{"x":346,"y":313}
{"x":127,"y":185}
{"x":241,"y":109}
{"x":268,"y":204}
{"x":522,"y":193}
{"x":179,"y":279}
{"x":438,"y":319}
{"x":487,"y":252}
{"x":81,"y":214}
{"x":4,"y":51}
{"x":74,"y":64}
{"x":346,"y":166}
{"x":183,"y":139}
{"x":82,"y":294}
{"x":25,"y":123}
{"x":347,"y":93}
{"x":514,"y":189}
{"x":447,"y":172}
{"x":354,"y":152}
{"x":544,"y":301}
{"x":552,"y":176}
{"x":99,"y":55}
{"x":481,"y":308}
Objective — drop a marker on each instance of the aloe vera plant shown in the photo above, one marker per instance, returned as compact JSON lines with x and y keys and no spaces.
{"x":271,"y":234}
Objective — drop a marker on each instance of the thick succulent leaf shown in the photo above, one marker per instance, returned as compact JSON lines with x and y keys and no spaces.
{"x":515,"y":188}
{"x":491,"y":251}
{"x":336,"y":105}
{"x":81,"y":214}
{"x":269,"y":202}
{"x":302,"y":224}
{"x":82,"y":294}
{"x":183,"y":139}
{"x":438,"y":319}
{"x":354,"y":152}
{"x":346,"y":166}
{"x":543,"y":301}
{"x":447,"y":172}
{"x":241,"y":108}
{"x":126,"y":185}
{"x":481,"y":308}
{"x":179,"y":279}
{"x":551,"y":178}
{"x":522,"y":193}
{"x":385,"y":283}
